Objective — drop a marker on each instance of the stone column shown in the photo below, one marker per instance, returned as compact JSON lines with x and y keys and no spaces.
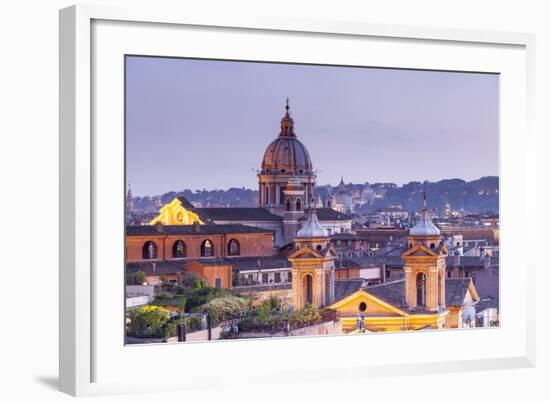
{"x":331,"y":287}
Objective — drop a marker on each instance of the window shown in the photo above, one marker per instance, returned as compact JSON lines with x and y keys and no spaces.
{"x":362,"y":307}
{"x":218,"y":282}
{"x":449,"y":274}
{"x":350,"y":243}
{"x":319,"y":247}
{"x":281,"y":196}
{"x":178,"y":249}
{"x":207,"y":248}
{"x":233,"y":248}
{"x":432,"y":245}
{"x":277,"y":277}
{"x":288,"y":205}
{"x":308,"y":289}
{"x":265,"y":278}
{"x":298,"y":205}
{"x":289,"y":277}
{"x":266,"y":199}
{"x":149,"y":250}
{"x":421,"y":289}
{"x":388,"y":274}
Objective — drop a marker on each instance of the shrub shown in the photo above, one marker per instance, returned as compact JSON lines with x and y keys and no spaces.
{"x":307,"y":314}
{"x":139,"y":278}
{"x":226,"y":308}
{"x":147,"y":321}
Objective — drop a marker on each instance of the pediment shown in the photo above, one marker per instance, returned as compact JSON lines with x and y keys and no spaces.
{"x":419,"y":250}
{"x":305,"y":253}
{"x":375,"y":306}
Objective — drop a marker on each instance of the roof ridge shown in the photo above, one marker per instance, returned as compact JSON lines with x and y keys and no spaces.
{"x":386,"y":283}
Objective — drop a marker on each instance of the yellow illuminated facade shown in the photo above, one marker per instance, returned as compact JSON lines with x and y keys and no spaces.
{"x":379,"y":315}
{"x":174,"y":213}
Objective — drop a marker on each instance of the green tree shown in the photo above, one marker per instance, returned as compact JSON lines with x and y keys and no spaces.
{"x":139,"y":278}
{"x":147,"y":321}
{"x":181,"y":302}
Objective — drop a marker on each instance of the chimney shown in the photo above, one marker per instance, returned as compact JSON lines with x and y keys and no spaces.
{"x":196,"y":227}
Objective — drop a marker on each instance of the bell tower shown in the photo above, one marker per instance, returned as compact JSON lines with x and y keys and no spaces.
{"x":293,"y":196}
{"x":312,"y":265}
{"x":424,"y":266}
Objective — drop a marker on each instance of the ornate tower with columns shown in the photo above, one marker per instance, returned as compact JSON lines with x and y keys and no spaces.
{"x":424,"y":266}
{"x":312,"y":265}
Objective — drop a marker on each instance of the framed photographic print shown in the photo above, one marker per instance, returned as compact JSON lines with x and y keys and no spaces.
{"x":316,"y":193}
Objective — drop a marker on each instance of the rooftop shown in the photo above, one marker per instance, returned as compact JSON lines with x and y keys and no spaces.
{"x":192,"y":229}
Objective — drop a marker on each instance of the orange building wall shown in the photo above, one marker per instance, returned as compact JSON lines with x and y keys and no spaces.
{"x":257,"y":244}
{"x":211,"y":273}
{"x":345,"y":274}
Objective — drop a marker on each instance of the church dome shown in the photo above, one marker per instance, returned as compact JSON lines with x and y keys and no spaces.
{"x":312,"y":228}
{"x":424,"y":227}
{"x":286,"y":154}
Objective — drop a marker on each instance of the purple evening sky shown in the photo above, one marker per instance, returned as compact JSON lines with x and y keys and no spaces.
{"x":205,"y":124}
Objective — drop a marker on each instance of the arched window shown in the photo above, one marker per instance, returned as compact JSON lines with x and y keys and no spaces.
{"x":281,"y":196}
{"x":207,"y":248}
{"x":266,"y":195}
{"x":308,"y":289}
{"x":233,"y":248}
{"x":179,"y":249}
{"x":298,"y":205}
{"x":288,"y":205}
{"x":149,"y":250}
{"x":421,"y":289}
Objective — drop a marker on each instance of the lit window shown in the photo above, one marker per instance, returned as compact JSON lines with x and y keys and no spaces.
{"x":233,"y":248}
{"x":178,"y":249}
{"x":149,"y":250}
{"x":207,"y":248}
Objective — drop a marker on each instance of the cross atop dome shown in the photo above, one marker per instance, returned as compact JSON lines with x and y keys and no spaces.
{"x":287,"y":107}
{"x":287,"y":123}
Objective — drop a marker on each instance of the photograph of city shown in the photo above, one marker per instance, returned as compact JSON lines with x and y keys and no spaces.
{"x":278,"y":200}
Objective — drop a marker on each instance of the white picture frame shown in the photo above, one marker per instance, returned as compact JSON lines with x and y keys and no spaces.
{"x":80,"y":179}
